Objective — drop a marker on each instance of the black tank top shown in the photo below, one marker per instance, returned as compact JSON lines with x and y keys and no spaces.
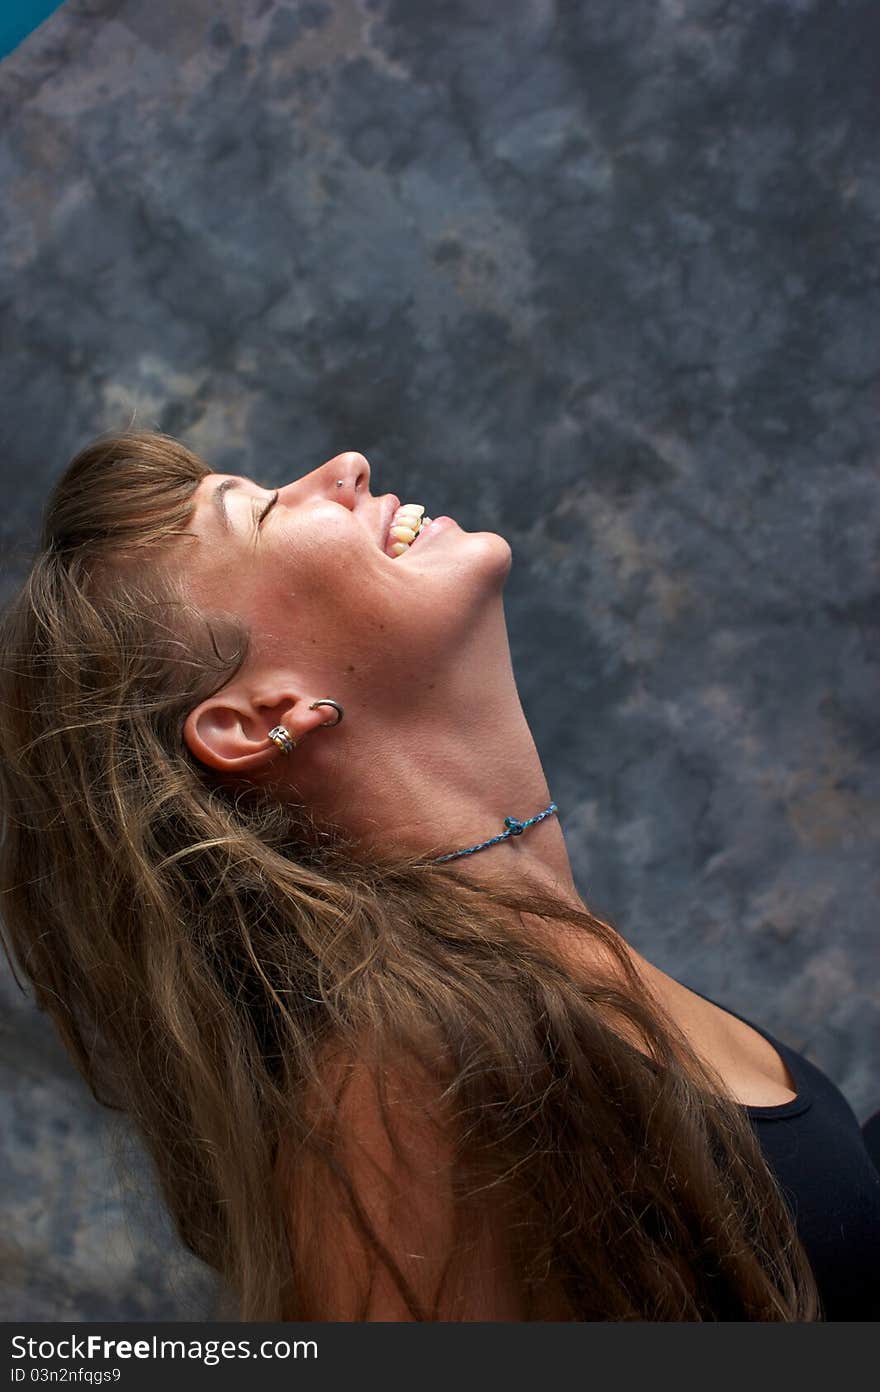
{"x":832,"y":1187}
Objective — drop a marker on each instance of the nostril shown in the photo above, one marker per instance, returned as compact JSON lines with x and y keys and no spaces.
{"x":363,"y":471}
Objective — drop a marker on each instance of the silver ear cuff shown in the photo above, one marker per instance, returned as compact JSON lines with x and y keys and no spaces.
{"x":281,"y":736}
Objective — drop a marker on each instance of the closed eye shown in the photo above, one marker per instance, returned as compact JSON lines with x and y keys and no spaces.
{"x":271,"y":503}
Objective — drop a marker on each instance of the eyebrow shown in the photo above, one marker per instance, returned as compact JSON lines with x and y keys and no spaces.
{"x":220,"y":502}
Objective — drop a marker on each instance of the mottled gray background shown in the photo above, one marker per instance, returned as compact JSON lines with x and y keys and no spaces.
{"x":600,"y":276}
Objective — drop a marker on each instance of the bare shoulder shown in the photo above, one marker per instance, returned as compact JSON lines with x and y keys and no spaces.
{"x":370,"y":1205}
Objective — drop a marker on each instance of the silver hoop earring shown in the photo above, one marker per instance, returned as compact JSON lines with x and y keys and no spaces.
{"x":340,"y":712}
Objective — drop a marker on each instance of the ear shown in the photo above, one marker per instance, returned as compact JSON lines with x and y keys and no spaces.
{"x":230,"y":732}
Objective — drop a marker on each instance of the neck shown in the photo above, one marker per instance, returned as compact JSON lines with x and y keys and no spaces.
{"x":430,"y":784}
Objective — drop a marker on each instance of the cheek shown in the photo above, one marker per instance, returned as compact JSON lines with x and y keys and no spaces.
{"x":296,"y":587}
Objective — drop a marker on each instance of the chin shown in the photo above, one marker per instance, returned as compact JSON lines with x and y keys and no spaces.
{"x":498,"y":550}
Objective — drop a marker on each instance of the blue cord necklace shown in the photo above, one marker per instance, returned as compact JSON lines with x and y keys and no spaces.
{"x":514,"y":828}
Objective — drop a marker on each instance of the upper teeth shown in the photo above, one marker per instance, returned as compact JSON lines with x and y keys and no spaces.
{"x":406,"y":524}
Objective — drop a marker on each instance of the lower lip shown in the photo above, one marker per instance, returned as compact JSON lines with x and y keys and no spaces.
{"x":436,"y":524}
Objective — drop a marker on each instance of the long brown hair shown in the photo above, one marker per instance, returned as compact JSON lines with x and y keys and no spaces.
{"x":205,"y":952}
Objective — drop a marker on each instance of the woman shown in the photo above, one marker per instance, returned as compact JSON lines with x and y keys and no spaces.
{"x":256,"y":770}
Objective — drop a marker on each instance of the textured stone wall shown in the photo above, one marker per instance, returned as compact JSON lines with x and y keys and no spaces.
{"x":601,"y":277}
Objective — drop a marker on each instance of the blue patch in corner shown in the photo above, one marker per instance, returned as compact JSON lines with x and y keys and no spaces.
{"x":19,"y":17}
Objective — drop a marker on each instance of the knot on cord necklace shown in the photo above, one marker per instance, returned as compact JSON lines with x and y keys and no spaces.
{"x":282,"y":737}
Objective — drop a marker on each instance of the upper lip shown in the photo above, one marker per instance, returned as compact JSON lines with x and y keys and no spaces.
{"x":393,"y":505}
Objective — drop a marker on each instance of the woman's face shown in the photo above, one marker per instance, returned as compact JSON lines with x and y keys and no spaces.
{"x":315,"y":583}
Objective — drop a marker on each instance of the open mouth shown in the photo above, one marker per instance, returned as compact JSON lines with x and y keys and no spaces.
{"x":406,"y":526}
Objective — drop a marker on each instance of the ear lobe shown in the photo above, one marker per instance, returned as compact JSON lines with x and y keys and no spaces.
{"x":215,"y":734}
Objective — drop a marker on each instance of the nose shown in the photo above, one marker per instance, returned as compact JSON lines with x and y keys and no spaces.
{"x":352,"y":471}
